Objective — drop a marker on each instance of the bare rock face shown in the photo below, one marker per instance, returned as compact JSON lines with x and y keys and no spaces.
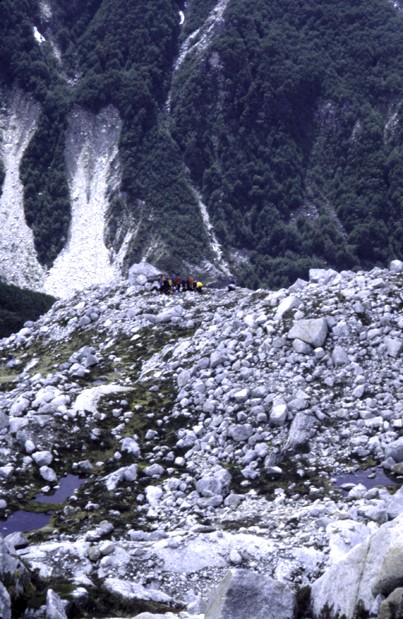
{"x":243,"y":593}
{"x":371,"y":569}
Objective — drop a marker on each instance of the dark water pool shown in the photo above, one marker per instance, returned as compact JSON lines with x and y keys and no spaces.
{"x":66,"y":488}
{"x":23,"y":521}
{"x":369,"y":478}
{"x":29,"y":521}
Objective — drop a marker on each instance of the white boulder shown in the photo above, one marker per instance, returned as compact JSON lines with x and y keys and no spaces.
{"x":313,"y":331}
{"x":373,"y":567}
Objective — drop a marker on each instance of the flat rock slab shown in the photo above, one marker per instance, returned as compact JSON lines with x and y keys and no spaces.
{"x":244,"y":593}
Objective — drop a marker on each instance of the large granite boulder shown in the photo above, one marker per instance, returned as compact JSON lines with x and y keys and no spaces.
{"x":371,"y":569}
{"x":244,"y":593}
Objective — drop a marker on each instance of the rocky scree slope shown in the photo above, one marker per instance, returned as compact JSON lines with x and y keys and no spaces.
{"x":209,"y":430}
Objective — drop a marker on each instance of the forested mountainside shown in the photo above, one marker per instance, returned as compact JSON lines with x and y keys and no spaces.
{"x":19,"y":306}
{"x":258,"y":138}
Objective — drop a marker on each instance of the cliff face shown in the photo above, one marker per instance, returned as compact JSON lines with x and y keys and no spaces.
{"x":201,"y":136}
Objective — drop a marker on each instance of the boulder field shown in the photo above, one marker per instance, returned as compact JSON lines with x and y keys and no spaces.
{"x":236,"y":454}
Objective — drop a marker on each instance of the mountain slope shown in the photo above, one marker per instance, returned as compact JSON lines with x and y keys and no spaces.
{"x":252,"y":431}
{"x":257,"y":140}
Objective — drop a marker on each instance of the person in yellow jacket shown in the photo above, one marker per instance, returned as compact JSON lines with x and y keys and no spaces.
{"x":199,"y":287}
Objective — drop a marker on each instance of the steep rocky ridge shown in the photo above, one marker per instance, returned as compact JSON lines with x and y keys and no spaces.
{"x":210,"y":431}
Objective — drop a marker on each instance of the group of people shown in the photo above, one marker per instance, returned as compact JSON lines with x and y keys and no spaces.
{"x":175,"y":284}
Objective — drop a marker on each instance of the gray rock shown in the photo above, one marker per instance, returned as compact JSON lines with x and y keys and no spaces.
{"x":371,"y":568}
{"x":245,"y":594}
{"x":16,"y":540}
{"x":302,"y":348}
{"x":102,"y":530}
{"x":300,"y":431}
{"x":4,"y":421}
{"x":287,"y":304}
{"x":313,"y":331}
{"x":397,"y":468}
{"x":17,"y":424}
{"x":393,"y":503}
{"x":19,"y":406}
{"x":84,"y":321}
{"x":339,"y":356}
{"x":55,"y":607}
{"x":376,"y":512}
{"x":299,"y":284}
{"x":215,"y":484}
{"x":278,"y":414}
{"x":94,"y":553}
{"x":167,"y":315}
{"x":183,"y":378}
{"x":131,"y":446}
{"x":132,"y":591}
{"x":297,"y":404}
{"x":278,"y":342}
{"x":394,"y":346}
{"x":29,"y":446}
{"x":395,"y":450}
{"x":142,"y":268}
{"x":341,"y":329}
{"x":343,"y":536}
{"x":218,"y":357}
{"x":84,"y":466}
{"x":125,"y":473}
{"x":155,"y":470}
{"x":241,"y":396}
{"x":358,"y":391}
{"x":42,"y":457}
{"x":141,"y":280}
{"x":396,"y":266}
{"x":392,"y":607}
{"x":322,"y":275}
{"x":6,"y":471}
{"x":153,"y":494}
{"x":241,"y":432}
{"x":273,"y":471}
{"x":48,"y":474}
{"x":5,"y":603}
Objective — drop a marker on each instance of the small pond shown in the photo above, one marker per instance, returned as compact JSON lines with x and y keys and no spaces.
{"x":29,"y":521}
{"x":370,"y":478}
